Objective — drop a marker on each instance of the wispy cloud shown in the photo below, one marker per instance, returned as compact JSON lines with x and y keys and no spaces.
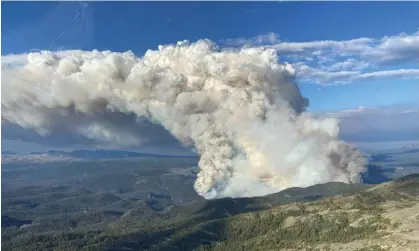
{"x":400,"y":48}
{"x":337,"y":62}
{"x":323,"y":77}
{"x":270,"y":38}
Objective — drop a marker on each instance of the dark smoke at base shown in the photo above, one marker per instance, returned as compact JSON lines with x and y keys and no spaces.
{"x":239,"y":109}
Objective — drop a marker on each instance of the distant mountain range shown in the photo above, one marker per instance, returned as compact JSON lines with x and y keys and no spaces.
{"x":54,"y":155}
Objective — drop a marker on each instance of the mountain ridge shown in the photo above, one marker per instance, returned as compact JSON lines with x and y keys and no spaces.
{"x":368,"y":217}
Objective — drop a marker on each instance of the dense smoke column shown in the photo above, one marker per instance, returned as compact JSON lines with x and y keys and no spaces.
{"x":239,"y":109}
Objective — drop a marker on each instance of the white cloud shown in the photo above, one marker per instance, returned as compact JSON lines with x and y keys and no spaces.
{"x":399,"y":73}
{"x":337,"y":62}
{"x":350,"y":46}
{"x":389,"y":48}
{"x":325,"y":77}
{"x":269,"y":38}
{"x":403,"y":47}
{"x":348,"y":64}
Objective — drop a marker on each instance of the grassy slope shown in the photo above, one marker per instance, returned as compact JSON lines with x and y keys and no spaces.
{"x":373,"y":219}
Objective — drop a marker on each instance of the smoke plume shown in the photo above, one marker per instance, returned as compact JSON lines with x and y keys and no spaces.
{"x":239,"y":109}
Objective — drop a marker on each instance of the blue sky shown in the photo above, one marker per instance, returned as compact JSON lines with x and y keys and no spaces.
{"x":139,"y":26}
{"x":347,"y":54}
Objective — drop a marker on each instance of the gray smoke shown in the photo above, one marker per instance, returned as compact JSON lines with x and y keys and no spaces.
{"x":239,"y":109}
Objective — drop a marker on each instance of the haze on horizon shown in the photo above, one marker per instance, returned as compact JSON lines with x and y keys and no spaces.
{"x":256,"y":99}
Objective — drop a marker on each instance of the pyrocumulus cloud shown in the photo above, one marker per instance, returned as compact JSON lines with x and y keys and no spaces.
{"x":240,"y":109}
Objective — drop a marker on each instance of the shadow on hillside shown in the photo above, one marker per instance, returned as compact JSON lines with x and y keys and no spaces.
{"x":377,"y":174}
{"x":163,"y":240}
{"x":7,"y":221}
{"x":209,"y":212}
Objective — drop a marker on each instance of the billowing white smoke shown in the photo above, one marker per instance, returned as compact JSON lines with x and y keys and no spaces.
{"x":240,"y":109}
